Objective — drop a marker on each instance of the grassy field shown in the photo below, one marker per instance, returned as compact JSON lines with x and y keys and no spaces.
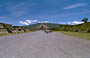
{"x":6,"y":34}
{"x":12,"y":33}
{"x":81,"y":35}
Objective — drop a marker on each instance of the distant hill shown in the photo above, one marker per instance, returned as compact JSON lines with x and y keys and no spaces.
{"x":50,"y":25}
{"x":85,"y":27}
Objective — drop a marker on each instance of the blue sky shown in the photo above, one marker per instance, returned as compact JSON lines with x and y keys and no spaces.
{"x":20,"y":12}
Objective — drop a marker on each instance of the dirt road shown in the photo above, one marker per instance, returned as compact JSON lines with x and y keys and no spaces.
{"x":41,"y":45}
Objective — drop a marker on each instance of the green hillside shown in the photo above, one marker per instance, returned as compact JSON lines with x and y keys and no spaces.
{"x":85,"y":27}
{"x":50,"y":25}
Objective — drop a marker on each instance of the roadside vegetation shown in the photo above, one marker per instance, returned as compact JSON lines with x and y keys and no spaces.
{"x":84,"y":27}
{"x":77,"y":34}
{"x":80,"y":30}
{"x":5,"y":34}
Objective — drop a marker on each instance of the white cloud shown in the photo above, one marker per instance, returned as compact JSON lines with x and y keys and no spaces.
{"x":27,"y":22}
{"x":24,"y":23}
{"x":76,"y":22}
{"x":43,"y":21}
{"x":75,"y":5}
{"x":21,"y":22}
{"x":34,"y":20}
{"x":71,"y":23}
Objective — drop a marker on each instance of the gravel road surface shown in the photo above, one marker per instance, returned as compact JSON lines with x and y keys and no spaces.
{"x":41,"y":45}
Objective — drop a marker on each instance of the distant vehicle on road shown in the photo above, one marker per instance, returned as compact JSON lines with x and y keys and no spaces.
{"x":48,"y":31}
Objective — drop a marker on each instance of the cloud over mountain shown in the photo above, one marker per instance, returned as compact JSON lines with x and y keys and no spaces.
{"x":27,"y":22}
